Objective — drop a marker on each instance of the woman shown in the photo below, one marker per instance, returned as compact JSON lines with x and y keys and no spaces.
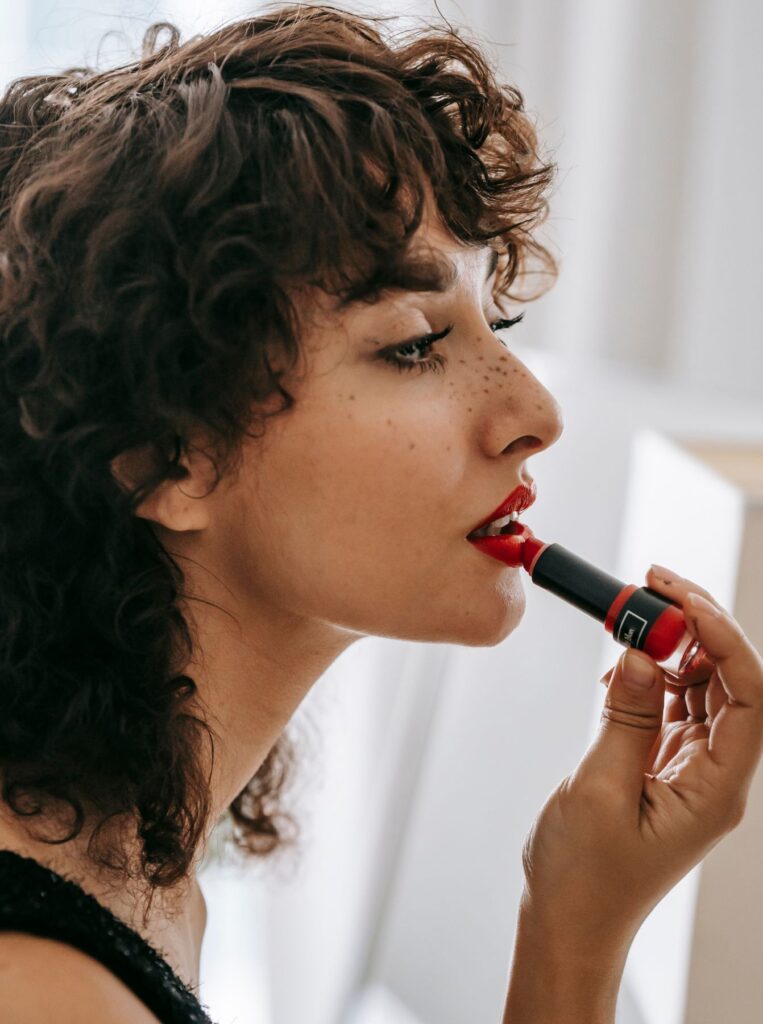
{"x":227,"y":270}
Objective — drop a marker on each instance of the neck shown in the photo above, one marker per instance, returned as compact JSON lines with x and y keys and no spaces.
{"x":250,"y":687}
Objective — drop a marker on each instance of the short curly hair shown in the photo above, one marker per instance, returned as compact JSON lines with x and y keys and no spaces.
{"x":154,"y":220}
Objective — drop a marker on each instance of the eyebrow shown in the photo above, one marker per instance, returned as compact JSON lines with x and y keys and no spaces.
{"x":423,"y":271}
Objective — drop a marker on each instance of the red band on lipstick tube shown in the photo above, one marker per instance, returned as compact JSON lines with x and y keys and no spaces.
{"x":636,"y":617}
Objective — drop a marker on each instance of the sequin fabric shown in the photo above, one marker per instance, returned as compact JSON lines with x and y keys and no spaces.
{"x":39,"y":901}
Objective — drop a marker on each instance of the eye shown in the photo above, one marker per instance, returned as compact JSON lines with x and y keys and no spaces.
{"x":404,"y":356}
{"x":502,"y":325}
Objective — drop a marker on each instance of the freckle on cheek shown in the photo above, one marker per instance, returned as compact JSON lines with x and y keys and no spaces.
{"x":389,"y":423}
{"x":351,"y":397}
{"x":412,"y":445}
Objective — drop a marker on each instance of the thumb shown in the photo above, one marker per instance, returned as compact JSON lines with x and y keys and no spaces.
{"x":631,"y":720}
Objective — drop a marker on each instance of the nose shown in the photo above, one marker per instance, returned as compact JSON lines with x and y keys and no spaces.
{"x":527,"y":420}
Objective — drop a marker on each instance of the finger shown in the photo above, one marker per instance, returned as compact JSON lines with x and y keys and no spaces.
{"x":715,"y":697}
{"x":630,"y":723}
{"x":695,"y":701}
{"x":672,"y":741}
{"x":677,"y":688}
{"x":739,"y":666}
{"x":675,"y":708}
{"x":676,"y":587}
{"x":736,"y":735}
{"x":654,"y":753}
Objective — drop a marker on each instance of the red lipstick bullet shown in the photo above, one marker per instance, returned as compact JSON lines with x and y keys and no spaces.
{"x":635,"y":616}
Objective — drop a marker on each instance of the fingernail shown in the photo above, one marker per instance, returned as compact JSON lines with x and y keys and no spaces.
{"x":698,"y":603}
{"x":665,"y":574}
{"x":637,"y":673}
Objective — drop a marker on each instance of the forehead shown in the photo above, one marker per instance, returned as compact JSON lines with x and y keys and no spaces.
{"x":427,"y":269}
{"x":436,"y":262}
{"x":430,"y":269}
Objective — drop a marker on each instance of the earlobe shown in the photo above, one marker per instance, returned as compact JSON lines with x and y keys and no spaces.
{"x":173,"y":506}
{"x":176,"y":503}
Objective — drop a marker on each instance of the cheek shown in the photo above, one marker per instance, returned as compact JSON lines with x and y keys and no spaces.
{"x":342,"y":496}
{"x":369,"y":467}
{"x":363,"y":527}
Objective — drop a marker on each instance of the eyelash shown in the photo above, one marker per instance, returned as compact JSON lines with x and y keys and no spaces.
{"x":425,"y":344}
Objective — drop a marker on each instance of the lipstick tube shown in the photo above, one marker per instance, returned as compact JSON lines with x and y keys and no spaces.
{"x":636,"y":617}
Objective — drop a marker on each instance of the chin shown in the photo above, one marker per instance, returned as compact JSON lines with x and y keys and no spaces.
{"x":487,"y":624}
{"x":487,"y":634}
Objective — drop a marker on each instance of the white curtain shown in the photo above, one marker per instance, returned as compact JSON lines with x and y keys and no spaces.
{"x":436,"y":759}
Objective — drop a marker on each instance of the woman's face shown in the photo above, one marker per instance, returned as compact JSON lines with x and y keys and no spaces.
{"x":354,"y":507}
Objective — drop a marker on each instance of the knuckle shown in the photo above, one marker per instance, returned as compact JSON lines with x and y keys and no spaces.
{"x":634,"y":718}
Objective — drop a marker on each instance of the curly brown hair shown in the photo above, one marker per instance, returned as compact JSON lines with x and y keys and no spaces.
{"x":154,"y":220}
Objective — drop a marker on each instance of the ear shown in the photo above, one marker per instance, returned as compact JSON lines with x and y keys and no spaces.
{"x":178,"y":505}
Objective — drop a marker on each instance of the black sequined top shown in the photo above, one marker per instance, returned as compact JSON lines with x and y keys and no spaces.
{"x":36,"y":900}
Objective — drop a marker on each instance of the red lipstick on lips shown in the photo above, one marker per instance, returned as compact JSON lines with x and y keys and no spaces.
{"x":507,"y":547}
{"x":520,"y":499}
{"x":635,"y":616}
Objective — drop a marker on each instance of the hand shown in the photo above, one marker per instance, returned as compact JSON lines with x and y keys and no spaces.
{"x":662,"y":783}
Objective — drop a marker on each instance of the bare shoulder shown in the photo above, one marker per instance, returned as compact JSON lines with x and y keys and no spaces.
{"x":43,"y":979}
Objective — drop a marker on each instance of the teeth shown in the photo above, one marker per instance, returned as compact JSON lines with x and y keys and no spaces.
{"x":493,"y":529}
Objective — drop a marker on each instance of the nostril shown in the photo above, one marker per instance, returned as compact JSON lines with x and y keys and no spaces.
{"x":528,"y":441}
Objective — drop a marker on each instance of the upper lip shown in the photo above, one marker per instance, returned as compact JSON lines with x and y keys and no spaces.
{"x":521,"y":498}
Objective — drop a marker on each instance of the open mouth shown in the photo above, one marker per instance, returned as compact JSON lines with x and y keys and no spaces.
{"x":501,"y":520}
{"x":497,"y":528}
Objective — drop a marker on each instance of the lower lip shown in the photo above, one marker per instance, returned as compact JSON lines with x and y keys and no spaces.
{"x":505,"y":547}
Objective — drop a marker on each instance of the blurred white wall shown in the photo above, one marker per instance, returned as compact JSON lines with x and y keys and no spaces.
{"x":651,"y":111}
{"x":436,"y":760}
